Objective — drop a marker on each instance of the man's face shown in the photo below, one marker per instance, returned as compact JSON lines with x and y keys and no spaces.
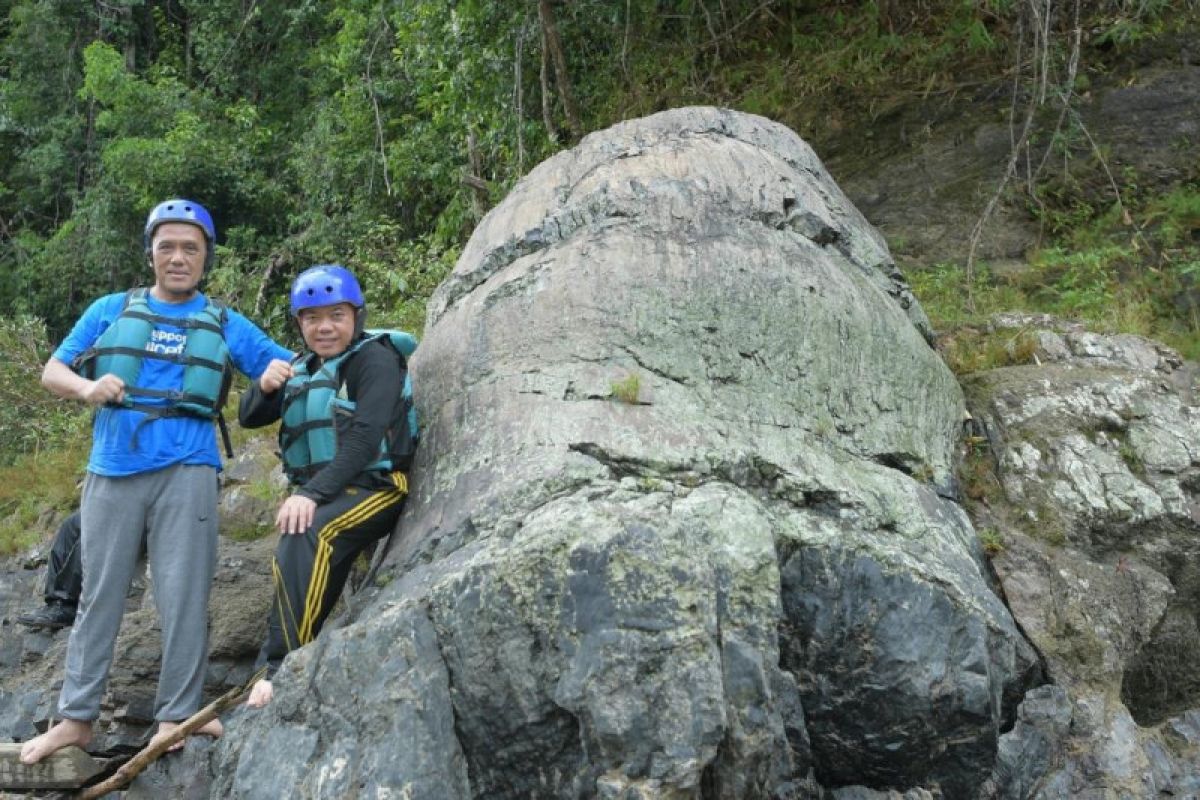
{"x":327,"y":330}
{"x":177,"y":252}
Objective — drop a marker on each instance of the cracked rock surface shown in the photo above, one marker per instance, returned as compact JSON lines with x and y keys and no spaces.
{"x":680,"y":524}
{"x":1097,"y":458}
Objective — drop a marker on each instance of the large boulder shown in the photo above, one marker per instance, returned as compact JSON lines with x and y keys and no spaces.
{"x":680,"y":525}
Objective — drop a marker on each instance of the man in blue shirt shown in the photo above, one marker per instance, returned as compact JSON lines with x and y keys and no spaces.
{"x":154,"y":364}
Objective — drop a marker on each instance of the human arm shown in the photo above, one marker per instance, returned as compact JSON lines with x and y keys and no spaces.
{"x":257,"y":408}
{"x":265,"y":362}
{"x":62,"y":381}
{"x":253,"y":352}
{"x":58,"y":376}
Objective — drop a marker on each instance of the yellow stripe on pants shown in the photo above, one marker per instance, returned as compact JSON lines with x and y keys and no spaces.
{"x":286,"y":614}
{"x":319,"y":579}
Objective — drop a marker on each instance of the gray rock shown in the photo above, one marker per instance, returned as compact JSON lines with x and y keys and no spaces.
{"x":932,"y":170}
{"x":238,"y":606}
{"x":253,"y":486}
{"x":1033,"y":748}
{"x":679,"y":524}
{"x":383,"y":725}
{"x":1096,"y":451}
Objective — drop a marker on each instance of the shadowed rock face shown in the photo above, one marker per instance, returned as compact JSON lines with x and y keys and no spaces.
{"x":678,"y":526}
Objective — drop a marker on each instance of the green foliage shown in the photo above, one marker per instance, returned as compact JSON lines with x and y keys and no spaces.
{"x":339,"y":131}
{"x":1132,"y":272}
{"x":43,"y":441}
{"x":946,"y":294}
{"x":992,"y":541}
{"x":627,"y":389}
{"x":1132,"y":459}
{"x":31,"y":419}
{"x":34,"y":484}
{"x":1176,"y":217}
{"x":967,"y":349}
{"x":1126,"y":23}
{"x":650,"y":485}
{"x":1079,"y":284}
{"x":398,"y":279}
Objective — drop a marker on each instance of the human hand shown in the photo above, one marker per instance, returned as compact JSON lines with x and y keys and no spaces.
{"x":108,"y":388}
{"x":295,"y":515}
{"x":275,"y":376}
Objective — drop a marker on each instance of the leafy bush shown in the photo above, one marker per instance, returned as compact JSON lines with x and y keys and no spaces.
{"x":37,"y":486}
{"x":43,"y":440}
{"x":31,"y":419}
{"x":1131,"y":272}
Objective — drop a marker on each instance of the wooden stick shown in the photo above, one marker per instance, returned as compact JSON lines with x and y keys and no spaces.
{"x":132,"y":768}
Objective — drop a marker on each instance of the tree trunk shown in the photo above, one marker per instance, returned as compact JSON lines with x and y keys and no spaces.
{"x":126,"y":15}
{"x":561,"y":79}
{"x":519,"y":101}
{"x":544,"y":79}
{"x":475,"y":179}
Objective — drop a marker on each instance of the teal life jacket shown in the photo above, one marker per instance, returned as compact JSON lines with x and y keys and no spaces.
{"x":207,"y":367}
{"x":313,"y":400}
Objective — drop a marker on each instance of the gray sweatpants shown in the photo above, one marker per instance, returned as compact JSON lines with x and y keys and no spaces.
{"x":176,"y":507}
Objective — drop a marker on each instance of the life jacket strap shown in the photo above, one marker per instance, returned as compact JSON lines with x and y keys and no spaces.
{"x":175,"y":322}
{"x":158,"y":412}
{"x":174,"y":358}
{"x":291,"y":434}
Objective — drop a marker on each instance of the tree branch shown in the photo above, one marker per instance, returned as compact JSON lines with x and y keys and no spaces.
{"x":148,"y":755}
{"x":519,"y":100}
{"x":479,"y":186}
{"x":380,"y":142}
{"x":561,"y":78}
{"x":544,"y":79}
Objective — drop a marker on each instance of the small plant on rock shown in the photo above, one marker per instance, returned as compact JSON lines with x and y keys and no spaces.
{"x":1129,"y":455}
{"x":992,"y":541}
{"x":627,"y":390}
{"x":977,"y":472}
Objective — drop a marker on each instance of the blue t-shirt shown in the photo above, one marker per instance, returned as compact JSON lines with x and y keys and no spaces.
{"x":161,"y":441}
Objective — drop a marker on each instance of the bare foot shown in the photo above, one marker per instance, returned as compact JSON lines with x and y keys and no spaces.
{"x":66,"y":733}
{"x":261,"y":694}
{"x":212,"y":728}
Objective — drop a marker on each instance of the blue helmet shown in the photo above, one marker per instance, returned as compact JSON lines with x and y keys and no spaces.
{"x":326,"y":285}
{"x":180,"y":210}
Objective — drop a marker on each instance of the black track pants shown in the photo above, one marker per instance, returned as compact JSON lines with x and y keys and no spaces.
{"x":64,"y":572}
{"x":310,"y":569}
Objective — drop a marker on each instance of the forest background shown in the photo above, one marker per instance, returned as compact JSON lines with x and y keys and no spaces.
{"x":376,"y":134}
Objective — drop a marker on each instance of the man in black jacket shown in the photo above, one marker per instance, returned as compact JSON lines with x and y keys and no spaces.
{"x":346,"y":447}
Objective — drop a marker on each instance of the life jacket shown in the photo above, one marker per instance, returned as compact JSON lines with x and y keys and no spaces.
{"x":313,"y":399}
{"x":207,"y":368}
